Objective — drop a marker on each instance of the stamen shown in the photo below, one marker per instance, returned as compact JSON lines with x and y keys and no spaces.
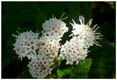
{"x":98,"y":33}
{"x":73,"y":21}
{"x":62,"y":16}
{"x":96,"y":29}
{"x":97,"y":44}
{"x":90,"y":22}
{"x":98,"y":37}
{"x":14,"y":35}
{"x":81,"y":19}
{"x":72,"y":24}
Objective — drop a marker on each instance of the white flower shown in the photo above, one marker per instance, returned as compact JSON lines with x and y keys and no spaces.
{"x":84,"y":31}
{"x":83,"y":36}
{"x":49,"y":46}
{"x":26,"y":44}
{"x":43,"y":51}
{"x":54,"y":27}
{"x":40,"y":66}
{"x":73,"y":51}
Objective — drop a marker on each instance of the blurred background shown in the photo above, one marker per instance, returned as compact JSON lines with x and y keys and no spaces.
{"x":23,"y":16}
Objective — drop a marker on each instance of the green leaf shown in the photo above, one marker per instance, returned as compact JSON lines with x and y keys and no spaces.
{"x":81,"y":70}
{"x":76,"y":71}
{"x":60,"y":73}
{"x":84,"y":65}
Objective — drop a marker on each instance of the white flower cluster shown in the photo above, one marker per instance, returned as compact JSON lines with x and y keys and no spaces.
{"x":44,"y":50}
{"x":73,"y":51}
{"x":49,"y":46}
{"x":84,"y":31}
{"x":26,"y":44}
{"x":83,"y":37}
{"x":40,"y":66}
{"x":54,"y":27}
{"x":41,"y":51}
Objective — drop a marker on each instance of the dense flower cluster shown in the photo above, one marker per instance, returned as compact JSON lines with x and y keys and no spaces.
{"x":84,"y":31}
{"x":73,"y":51}
{"x":40,"y":66}
{"x":42,"y":51}
{"x":49,"y":46}
{"x":26,"y":44}
{"x":83,"y":37}
{"x":54,"y":27}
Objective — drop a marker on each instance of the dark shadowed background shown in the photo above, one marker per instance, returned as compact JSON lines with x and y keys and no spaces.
{"x":23,"y":16}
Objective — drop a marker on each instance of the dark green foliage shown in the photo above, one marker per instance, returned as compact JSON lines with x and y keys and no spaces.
{"x":23,"y":16}
{"x":76,"y":71}
{"x":103,"y":65}
{"x":24,"y":74}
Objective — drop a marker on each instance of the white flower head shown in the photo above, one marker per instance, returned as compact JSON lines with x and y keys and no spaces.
{"x":84,"y":31}
{"x":54,"y":27}
{"x":40,"y":66}
{"x":49,"y":46}
{"x":83,"y":36}
{"x":26,"y":44}
{"x":73,"y":51}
